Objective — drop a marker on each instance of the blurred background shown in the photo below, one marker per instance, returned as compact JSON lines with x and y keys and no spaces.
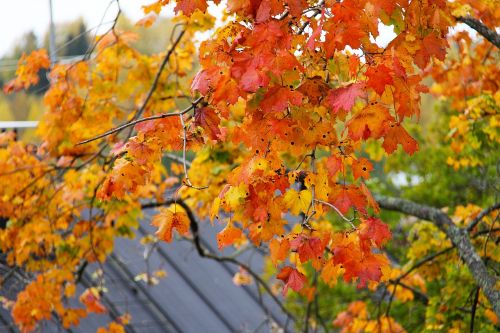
{"x":26,"y":26}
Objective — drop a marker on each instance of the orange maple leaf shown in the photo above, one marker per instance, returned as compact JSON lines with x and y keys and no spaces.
{"x":378,"y":78}
{"x":395,"y":135}
{"x":167,"y":220}
{"x":279,"y":250}
{"x":228,"y":236}
{"x":92,"y":301}
{"x":372,"y":122}
{"x":188,"y":7}
{"x":361,"y":168}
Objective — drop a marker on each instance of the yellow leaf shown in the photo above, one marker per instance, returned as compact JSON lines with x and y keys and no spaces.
{"x":331,"y":272}
{"x":298,"y":201}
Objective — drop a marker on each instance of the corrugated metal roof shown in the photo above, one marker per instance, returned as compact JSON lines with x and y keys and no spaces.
{"x":198,"y":294}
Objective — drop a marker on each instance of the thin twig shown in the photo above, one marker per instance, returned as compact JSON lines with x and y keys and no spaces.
{"x":338,"y":212}
{"x":158,"y":74}
{"x":137,"y":121}
{"x":473,"y":310}
{"x":481,"y":215}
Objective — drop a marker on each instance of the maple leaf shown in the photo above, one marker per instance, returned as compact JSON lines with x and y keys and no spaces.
{"x":167,"y":220}
{"x":347,"y":196}
{"x":206,"y":79}
{"x":292,"y":279}
{"x":147,"y":20}
{"x":91,"y":299}
{"x":334,"y":164}
{"x":371,"y":269}
{"x":228,"y":236}
{"x":369,"y":198}
{"x":316,"y":31}
{"x":207,"y":119}
{"x":253,"y":79}
{"x":361,"y":168}
{"x":27,"y":71}
{"x":266,"y":9}
{"x":374,"y":229}
{"x":331,"y":272}
{"x":278,"y":98}
{"x":189,"y":6}
{"x":372,"y":122}
{"x":345,"y":97}
{"x":395,"y":135}
{"x":297,"y":201}
{"x":296,"y":7}
{"x":279,"y":250}
{"x":432,"y":46}
{"x":357,"y":260}
{"x":378,"y":78}
{"x":154,"y":7}
{"x":308,"y":247}
{"x":314,"y":89}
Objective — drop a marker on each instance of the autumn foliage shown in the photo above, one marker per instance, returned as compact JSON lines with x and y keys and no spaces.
{"x":272,"y":136}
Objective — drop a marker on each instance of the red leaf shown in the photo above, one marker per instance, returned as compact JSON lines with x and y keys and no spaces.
{"x":378,"y":78}
{"x":189,"y":6}
{"x":292,"y":278}
{"x":207,"y":119}
{"x":277,"y":99}
{"x":345,"y":197}
{"x":344,"y":98}
{"x":311,"y":43}
{"x":296,"y":7}
{"x":334,"y":164}
{"x":206,"y":79}
{"x":308,"y":247}
{"x":374,"y":229}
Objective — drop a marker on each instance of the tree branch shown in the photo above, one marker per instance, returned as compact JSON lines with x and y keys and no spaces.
{"x":137,"y":121}
{"x":458,"y":237}
{"x":481,"y":215}
{"x":205,"y":253}
{"x":158,"y":74}
{"x":482,"y":29}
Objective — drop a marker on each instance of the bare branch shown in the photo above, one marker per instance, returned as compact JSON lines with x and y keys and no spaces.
{"x":205,"y":253}
{"x":459,"y":237}
{"x":338,"y":212}
{"x":177,"y":159}
{"x":137,"y":121}
{"x":473,"y":311}
{"x":158,"y":74}
{"x":481,"y":28}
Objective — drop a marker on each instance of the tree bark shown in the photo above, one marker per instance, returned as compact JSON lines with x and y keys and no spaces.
{"x":459,"y":237}
{"x":482,"y":29}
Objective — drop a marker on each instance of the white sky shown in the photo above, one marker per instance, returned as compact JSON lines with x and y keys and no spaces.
{"x":20,"y":16}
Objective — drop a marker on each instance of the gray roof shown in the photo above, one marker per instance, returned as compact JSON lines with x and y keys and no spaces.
{"x":198,"y":294}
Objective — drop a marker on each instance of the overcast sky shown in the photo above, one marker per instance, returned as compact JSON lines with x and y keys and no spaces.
{"x":20,"y":16}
